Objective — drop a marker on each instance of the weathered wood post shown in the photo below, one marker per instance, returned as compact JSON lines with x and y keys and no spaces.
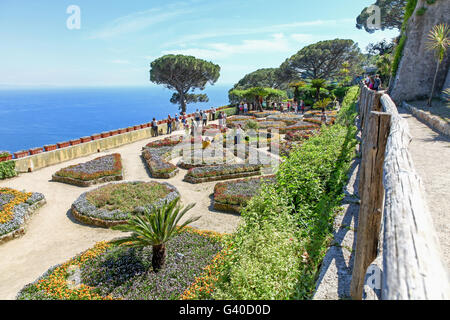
{"x":372,"y":197}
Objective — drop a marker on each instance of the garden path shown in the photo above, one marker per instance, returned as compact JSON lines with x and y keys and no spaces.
{"x":430,"y":152}
{"x":53,"y":236}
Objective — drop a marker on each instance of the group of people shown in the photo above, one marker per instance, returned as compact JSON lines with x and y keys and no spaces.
{"x":243,"y":107}
{"x":200,"y":119}
{"x":373,"y":82}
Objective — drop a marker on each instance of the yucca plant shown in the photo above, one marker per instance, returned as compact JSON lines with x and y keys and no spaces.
{"x":438,"y":41}
{"x":155,"y":228}
{"x":322,"y":103}
{"x":446,"y":94}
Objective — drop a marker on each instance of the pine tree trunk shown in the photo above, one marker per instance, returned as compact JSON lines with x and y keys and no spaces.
{"x":159,"y":257}
{"x":434,"y":83}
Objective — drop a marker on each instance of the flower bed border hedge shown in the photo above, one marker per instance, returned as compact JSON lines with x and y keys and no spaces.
{"x":21,"y":215}
{"x":253,"y":170}
{"x":89,"y":218}
{"x":112,"y":175}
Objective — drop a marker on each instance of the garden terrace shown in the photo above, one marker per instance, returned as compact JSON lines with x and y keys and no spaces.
{"x":15,"y":209}
{"x":110,"y":272}
{"x":300,"y":135}
{"x":102,"y":169}
{"x":263,"y":114}
{"x":222,"y":172}
{"x":112,"y":204}
{"x":166,"y":142}
{"x":232,"y":196}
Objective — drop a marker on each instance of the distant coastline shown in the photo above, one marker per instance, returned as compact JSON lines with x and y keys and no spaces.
{"x":33,"y":117}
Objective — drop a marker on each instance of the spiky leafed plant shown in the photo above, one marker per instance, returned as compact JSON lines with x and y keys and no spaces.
{"x":322,"y":103}
{"x":446,"y":94}
{"x":155,"y":228}
{"x":438,"y":41}
{"x":318,"y":84}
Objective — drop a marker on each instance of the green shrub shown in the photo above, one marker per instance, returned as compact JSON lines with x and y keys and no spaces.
{"x":277,"y":250}
{"x":7,"y":169}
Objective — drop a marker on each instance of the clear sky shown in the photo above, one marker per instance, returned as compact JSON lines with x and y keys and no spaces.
{"x":117,"y":40}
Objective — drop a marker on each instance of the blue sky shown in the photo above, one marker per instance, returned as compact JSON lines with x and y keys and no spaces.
{"x":118,"y":39}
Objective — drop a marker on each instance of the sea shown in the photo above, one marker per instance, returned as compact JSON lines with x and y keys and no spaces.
{"x":35,"y":117}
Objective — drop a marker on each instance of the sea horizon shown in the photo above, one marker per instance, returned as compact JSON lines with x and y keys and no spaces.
{"x":36,"y":116}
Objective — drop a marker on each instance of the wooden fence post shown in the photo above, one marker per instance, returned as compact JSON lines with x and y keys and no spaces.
{"x":372,"y":197}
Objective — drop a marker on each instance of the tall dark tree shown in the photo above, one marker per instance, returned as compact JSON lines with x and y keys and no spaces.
{"x":266,"y":77}
{"x":323,"y":60}
{"x":392,"y":12}
{"x":184,"y":74}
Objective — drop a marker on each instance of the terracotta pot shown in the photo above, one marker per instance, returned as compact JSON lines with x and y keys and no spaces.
{"x":122,"y":131}
{"x":50,"y":147}
{"x":36,"y":151}
{"x":130,"y":129}
{"x":96,"y":136}
{"x":6,"y":158}
{"x":106,"y":134}
{"x":64,"y":144}
{"x":145,"y":125}
{"x":75,"y":142}
{"x":86,"y":139}
{"x":137,"y":127}
{"x":20,"y":154}
{"x":114,"y":132}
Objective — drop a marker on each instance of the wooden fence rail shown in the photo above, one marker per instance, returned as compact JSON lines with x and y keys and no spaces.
{"x":412,"y":264}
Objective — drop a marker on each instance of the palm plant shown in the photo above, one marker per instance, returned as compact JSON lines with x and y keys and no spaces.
{"x":438,"y":41}
{"x":446,"y":94}
{"x":155,"y":228}
{"x":318,"y":84}
{"x":322,"y":104}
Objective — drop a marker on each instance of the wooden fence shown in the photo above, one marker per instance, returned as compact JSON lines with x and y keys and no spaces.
{"x":392,"y":194}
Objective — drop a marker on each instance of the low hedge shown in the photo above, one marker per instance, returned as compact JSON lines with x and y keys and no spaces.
{"x":7,"y":169}
{"x":234,"y":195}
{"x":222,"y":172}
{"x":157,"y":161}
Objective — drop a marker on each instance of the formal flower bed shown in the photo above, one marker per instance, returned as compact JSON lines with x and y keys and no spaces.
{"x":222,"y":172}
{"x":166,"y":142}
{"x":264,"y":114}
{"x":234,"y":195}
{"x":205,"y":157}
{"x":108,"y":272}
{"x":300,"y":125}
{"x":285,"y":117}
{"x":213,"y":129}
{"x":300,"y":135}
{"x":15,"y":208}
{"x":102,"y":169}
{"x":111,"y":204}
{"x":157,"y":161}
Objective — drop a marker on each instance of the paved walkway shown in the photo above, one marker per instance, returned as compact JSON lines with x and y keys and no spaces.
{"x":430,"y":152}
{"x":53,"y":236}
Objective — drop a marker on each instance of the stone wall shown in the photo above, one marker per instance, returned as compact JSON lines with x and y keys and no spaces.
{"x":417,"y":67}
{"x":49,"y":158}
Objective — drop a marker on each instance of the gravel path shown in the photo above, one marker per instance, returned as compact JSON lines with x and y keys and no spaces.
{"x":431,"y":155}
{"x":53,"y":236}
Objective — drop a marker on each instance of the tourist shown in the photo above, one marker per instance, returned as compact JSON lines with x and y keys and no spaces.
{"x":205,"y":118}
{"x":224,"y":119}
{"x":155,"y":127}
{"x":302,"y":106}
{"x":241,"y":108}
{"x":371,"y":82}
{"x":177,"y":122}
{"x":213,"y":114}
{"x":245,"y":108}
{"x":220,"y":119}
{"x":377,"y":83}
{"x":238,"y":136}
{"x":192,"y":127}
{"x":169,"y":124}
{"x":324,"y":116}
{"x":197,"y":118}
{"x":183,"y":120}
